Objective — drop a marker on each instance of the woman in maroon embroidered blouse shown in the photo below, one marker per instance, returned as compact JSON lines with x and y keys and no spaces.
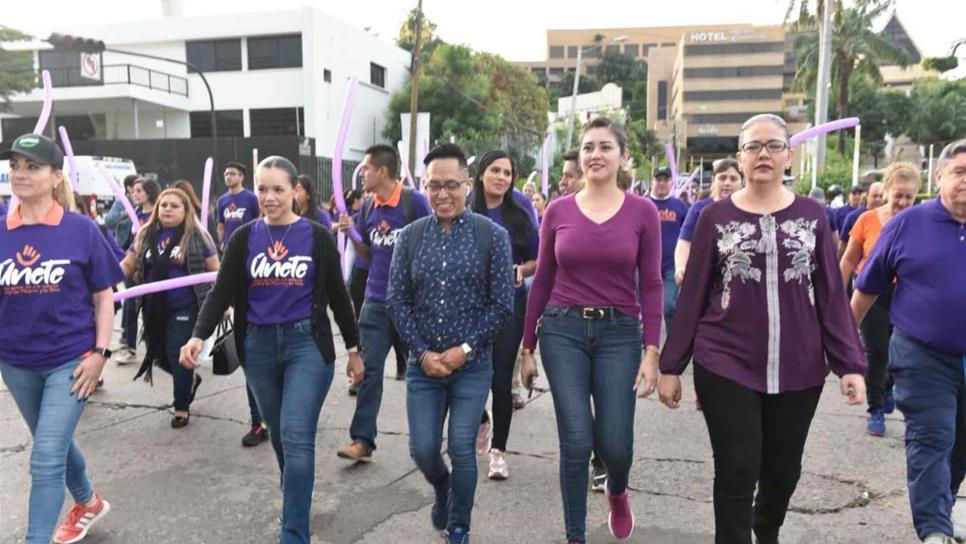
{"x":764,"y":313}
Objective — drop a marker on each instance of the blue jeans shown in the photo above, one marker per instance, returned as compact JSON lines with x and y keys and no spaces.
{"x":671,"y":290}
{"x":591,"y":360}
{"x":931,"y":392}
{"x":463,"y":394}
{"x":51,"y":413}
{"x":290,"y":380}
{"x":181,"y":322}
{"x":377,"y":334}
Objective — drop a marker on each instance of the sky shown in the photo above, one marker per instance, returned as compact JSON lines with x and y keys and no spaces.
{"x":515,"y":29}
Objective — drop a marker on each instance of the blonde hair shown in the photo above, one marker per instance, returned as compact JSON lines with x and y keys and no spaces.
{"x":191,"y":224}
{"x":63,"y":192}
{"x":900,"y":171}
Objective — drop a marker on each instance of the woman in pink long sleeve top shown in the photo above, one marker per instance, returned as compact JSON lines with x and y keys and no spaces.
{"x":596,"y":248}
{"x":763,"y":311}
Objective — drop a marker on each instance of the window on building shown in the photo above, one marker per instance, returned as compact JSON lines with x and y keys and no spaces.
{"x":668,"y":44}
{"x":613,"y":48}
{"x":662,"y":100}
{"x":591,"y":52}
{"x":277,"y":121}
{"x":377,"y":75}
{"x":230,"y":123}
{"x":733,"y":71}
{"x":64,"y":68}
{"x":556,"y":52}
{"x":571,"y":51}
{"x":559,"y":72}
{"x":735,"y":118}
{"x":741,"y":94}
{"x":327,"y":75}
{"x":214,"y":55}
{"x":80,"y":127}
{"x":275,"y":52}
{"x":632,"y":49}
{"x":734,"y":48}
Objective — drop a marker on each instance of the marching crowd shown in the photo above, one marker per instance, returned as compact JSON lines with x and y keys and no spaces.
{"x":762,"y":291}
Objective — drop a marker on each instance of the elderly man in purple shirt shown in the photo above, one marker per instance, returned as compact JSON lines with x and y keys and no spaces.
{"x":924,"y":250}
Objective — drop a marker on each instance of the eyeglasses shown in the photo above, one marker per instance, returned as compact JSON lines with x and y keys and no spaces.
{"x":773,"y":146}
{"x":451,"y":186}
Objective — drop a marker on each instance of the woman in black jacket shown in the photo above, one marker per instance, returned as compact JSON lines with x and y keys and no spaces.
{"x":279,"y":273}
{"x":170,"y":245}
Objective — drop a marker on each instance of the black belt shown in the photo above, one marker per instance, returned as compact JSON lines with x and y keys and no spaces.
{"x":594,"y":312}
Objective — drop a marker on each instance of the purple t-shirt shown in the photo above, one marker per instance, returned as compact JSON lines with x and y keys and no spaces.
{"x":845,"y":228}
{"x":381,"y":231}
{"x":691,"y":221}
{"x":47,"y":276}
{"x":3,"y":209}
{"x":324,"y":218}
{"x":672,"y":212}
{"x":280,"y":272}
{"x":236,"y":210}
{"x":583,"y":263}
{"x":924,"y":248}
{"x":175,"y":269}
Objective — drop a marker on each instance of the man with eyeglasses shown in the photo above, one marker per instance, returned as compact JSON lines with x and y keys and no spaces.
{"x":923,"y":249}
{"x":380,"y":221}
{"x":450,"y":290}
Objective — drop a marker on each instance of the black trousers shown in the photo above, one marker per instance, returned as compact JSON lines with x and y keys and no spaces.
{"x":876,"y":331}
{"x":757,"y":439}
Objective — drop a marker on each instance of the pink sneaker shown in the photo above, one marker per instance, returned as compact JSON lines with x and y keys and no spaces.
{"x":621,"y":519}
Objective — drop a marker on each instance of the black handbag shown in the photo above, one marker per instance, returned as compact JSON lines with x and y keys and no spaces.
{"x":224,"y":355}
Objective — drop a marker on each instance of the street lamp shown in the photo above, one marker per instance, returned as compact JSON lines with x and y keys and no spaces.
{"x":573,"y":96}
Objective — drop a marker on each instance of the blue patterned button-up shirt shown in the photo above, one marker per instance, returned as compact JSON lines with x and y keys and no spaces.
{"x":445,"y":294}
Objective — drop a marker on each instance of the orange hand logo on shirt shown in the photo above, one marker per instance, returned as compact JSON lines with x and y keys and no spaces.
{"x":277,"y":252}
{"x":29,"y":256}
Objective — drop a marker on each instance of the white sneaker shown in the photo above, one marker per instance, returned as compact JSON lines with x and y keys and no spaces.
{"x":126,"y":356}
{"x":938,"y":538}
{"x":959,"y":532}
{"x":498,"y":466}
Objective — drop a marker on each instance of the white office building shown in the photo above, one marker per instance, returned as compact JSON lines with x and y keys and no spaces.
{"x":277,"y":73}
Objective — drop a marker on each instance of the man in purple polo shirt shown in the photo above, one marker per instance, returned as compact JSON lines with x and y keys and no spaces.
{"x":379,"y":222}
{"x":924,"y":250}
{"x":238,"y":206}
{"x":672,"y":211}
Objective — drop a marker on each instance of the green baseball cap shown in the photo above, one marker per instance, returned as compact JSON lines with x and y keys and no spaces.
{"x":37,"y":148}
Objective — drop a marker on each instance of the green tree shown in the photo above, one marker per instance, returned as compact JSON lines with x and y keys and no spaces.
{"x":17,"y":74}
{"x":616,"y":67}
{"x":856,"y":47}
{"x":407,"y":34}
{"x":938,"y":111}
{"x":882,"y":112}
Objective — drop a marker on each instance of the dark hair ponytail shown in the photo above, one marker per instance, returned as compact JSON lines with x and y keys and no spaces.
{"x":516,"y":219}
{"x":277,"y":161}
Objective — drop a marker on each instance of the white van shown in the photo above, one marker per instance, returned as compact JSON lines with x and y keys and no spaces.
{"x":90,"y":179}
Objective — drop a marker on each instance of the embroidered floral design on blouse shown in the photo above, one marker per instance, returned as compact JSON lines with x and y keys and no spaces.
{"x":800,"y":242}
{"x":737,"y":247}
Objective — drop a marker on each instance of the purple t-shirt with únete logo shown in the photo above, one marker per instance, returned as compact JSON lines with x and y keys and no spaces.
{"x":47,"y":276}
{"x":236,"y":210}
{"x":280,"y":272}
{"x":175,"y":268}
{"x":381,"y":230}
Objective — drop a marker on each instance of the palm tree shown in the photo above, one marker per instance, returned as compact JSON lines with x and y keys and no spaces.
{"x":856,"y":48}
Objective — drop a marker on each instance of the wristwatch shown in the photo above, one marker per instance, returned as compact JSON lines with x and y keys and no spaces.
{"x":103,"y":352}
{"x":467,"y":350}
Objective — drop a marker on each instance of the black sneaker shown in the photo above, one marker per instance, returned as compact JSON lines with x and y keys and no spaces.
{"x":256,"y":436}
{"x":598,"y":480}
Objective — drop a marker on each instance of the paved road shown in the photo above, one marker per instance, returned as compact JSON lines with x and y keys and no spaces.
{"x":198,"y":485}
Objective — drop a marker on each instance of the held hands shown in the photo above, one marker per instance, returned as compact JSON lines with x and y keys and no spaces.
{"x":453,"y":358}
{"x":354,"y":368}
{"x":345,"y":222}
{"x":669,"y":390}
{"x":86,"y":375}
{"x":853,"y":388}
{"x":647,"y":374}
{"x":190,"y":352}
{"x":432,"y":364}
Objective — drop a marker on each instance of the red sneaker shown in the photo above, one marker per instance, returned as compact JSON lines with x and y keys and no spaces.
{"x":79,"y":520}
{"x":621,"y":519}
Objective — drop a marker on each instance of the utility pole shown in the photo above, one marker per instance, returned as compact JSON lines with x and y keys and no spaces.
{"x":821,"y":86}
{"x":573,"y":98}
{"x":414,"y":93}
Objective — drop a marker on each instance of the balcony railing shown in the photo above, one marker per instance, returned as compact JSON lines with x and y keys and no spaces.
{"x":121,"y":74}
